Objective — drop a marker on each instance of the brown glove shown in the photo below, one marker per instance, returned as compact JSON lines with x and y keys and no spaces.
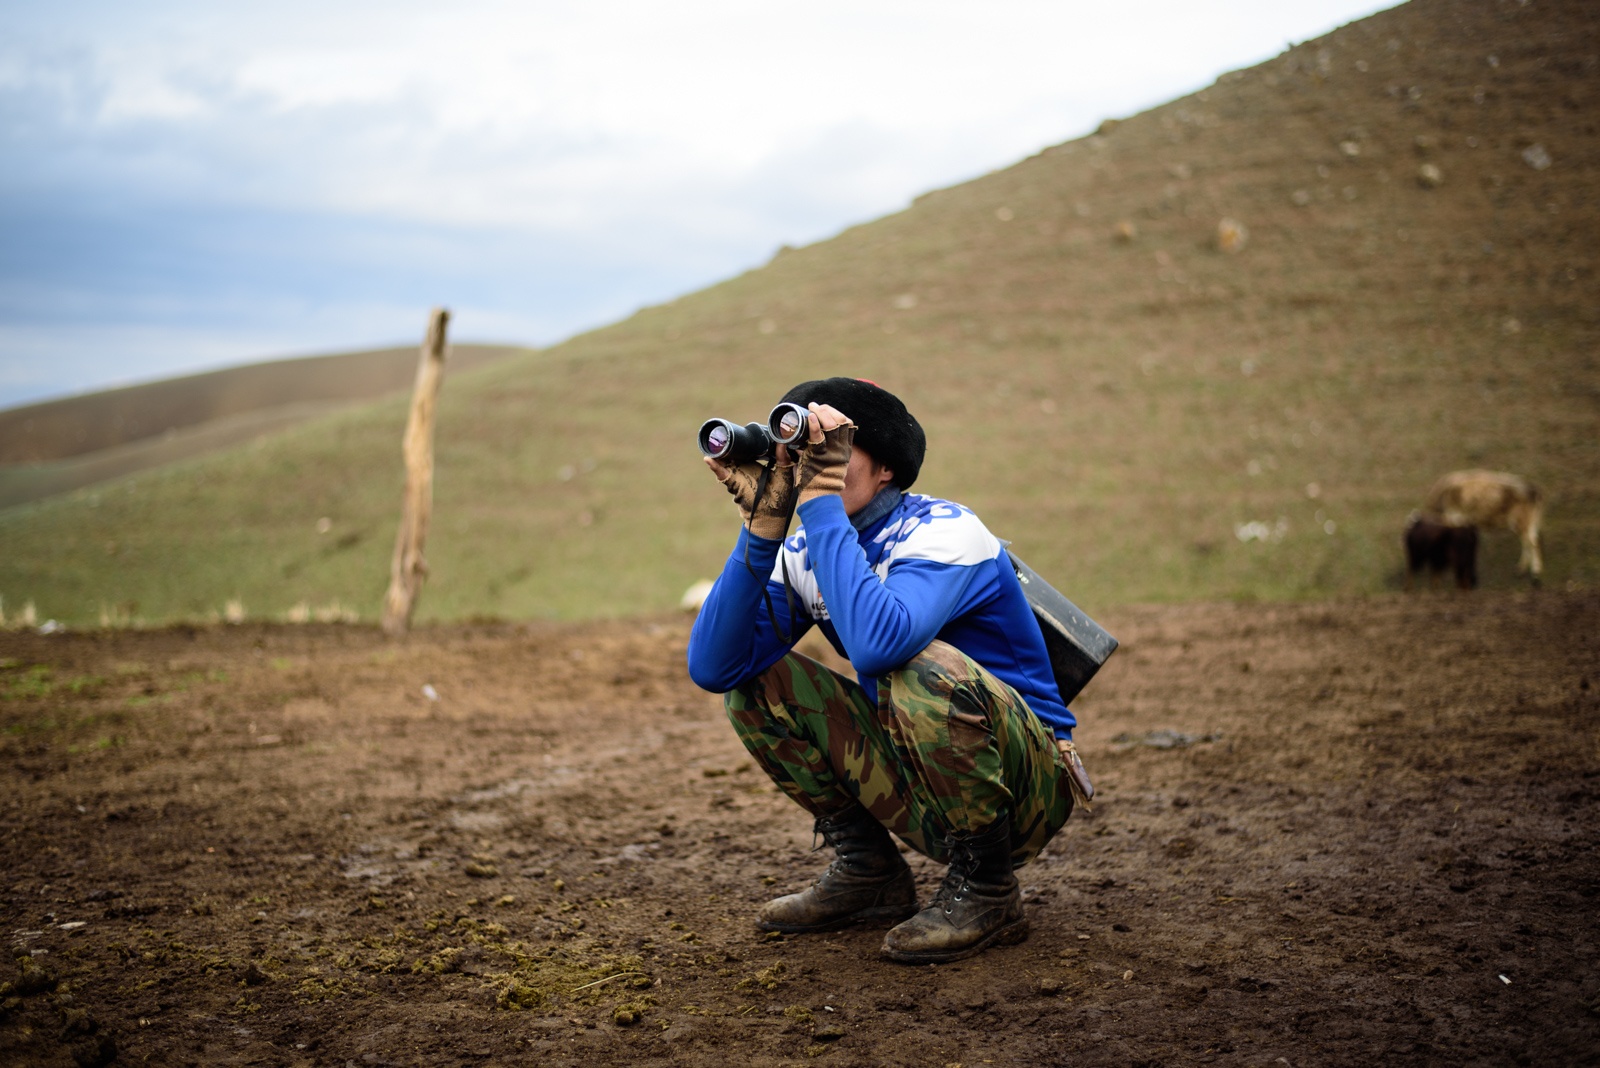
{"x":769,"y":517}
{"x":823,"y":463}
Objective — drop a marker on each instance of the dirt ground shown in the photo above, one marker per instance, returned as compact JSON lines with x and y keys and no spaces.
{"x":1331,"y":834}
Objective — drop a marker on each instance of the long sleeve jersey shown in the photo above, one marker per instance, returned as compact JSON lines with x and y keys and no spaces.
{"x":927,"y":569}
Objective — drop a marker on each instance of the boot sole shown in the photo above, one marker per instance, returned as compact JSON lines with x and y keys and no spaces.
{"x":880,"y":914}
{"x":1009,"y":935}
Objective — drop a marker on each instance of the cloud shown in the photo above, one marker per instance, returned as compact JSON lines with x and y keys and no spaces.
{"x":175,"y":163}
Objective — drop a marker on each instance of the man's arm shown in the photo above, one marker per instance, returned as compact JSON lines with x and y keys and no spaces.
{"x":733,"y":638}
{"x":880,"y":624}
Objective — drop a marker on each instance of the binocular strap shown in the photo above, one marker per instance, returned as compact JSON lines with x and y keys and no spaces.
{"x":788,"y":590}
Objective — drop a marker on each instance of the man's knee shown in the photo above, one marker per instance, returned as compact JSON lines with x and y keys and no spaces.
{"x":749,"y":705}
{"x":932,"y":677}
{"x":769,"y":700}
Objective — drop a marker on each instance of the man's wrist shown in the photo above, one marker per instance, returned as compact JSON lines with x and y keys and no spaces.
{"x":757,"y":542}
{"x":822,"y":510}
{"x":768,"y":528}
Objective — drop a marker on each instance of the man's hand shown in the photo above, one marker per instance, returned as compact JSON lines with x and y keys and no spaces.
{"x":768,"y":517}
{"x":826,"y":456}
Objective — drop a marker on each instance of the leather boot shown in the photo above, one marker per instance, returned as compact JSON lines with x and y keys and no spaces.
{"x":868,"y":880}
{"x":979,"y":904}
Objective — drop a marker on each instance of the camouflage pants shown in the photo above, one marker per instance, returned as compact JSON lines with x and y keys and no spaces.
{"x":947,"y":748}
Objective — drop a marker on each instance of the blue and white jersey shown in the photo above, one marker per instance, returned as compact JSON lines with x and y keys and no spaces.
{"x":928,"y":569}
{"x":923,"y":528}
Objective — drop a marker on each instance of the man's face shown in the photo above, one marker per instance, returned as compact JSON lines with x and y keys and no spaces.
{"x":862,"y":480}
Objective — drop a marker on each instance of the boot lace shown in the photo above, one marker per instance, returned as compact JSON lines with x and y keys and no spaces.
{"x":825,"y":833}
{"x":963,"y":861}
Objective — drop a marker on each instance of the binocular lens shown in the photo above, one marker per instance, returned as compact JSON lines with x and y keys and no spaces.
{"x":732,"y":443}
{"x":787,"y":423}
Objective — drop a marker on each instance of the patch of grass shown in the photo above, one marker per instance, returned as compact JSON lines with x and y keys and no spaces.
{"x":39,"y":681}
{"x":542,"y":977}
{"x":98,"y":745}
{"x":316,"y":986}
{"x":523,"y":976}
{"x":31,"y":683}
{"x":768,"y":978}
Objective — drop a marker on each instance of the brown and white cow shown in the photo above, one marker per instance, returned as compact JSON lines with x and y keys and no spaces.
{"x":1492,"y":499}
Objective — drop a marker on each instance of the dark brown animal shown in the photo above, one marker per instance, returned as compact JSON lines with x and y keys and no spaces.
{"x":1440,"y":547}
{"x":1492,"y":499}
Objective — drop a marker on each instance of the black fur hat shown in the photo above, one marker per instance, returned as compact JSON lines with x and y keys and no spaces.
{"x":890,"y":434}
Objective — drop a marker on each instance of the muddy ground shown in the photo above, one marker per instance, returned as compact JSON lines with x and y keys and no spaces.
{"x":272,"y":845}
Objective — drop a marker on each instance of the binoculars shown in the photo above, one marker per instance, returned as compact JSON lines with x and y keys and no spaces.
{"x":728,"y":442}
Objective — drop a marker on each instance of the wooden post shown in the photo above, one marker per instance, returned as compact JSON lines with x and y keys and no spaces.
{"x":409,"y":568}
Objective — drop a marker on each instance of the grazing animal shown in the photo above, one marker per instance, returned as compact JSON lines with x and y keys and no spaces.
{"x":1492,"y":499}
{"x":1438,"y":547}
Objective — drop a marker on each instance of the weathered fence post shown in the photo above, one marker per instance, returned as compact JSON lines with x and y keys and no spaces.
{"x":409,"y":568}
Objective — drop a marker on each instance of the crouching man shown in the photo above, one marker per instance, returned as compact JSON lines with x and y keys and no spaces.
{"x":950,"y":735}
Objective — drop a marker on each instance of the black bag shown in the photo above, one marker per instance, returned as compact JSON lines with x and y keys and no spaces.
{"x":1078,"y":646}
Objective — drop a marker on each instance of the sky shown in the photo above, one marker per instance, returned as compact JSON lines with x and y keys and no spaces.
{"x":189,"y":185}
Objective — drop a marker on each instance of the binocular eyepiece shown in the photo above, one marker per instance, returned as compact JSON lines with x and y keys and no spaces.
{"x":730,"y":443}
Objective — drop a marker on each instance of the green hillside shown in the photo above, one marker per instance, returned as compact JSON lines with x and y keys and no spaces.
{"x":55,"y":446}
{"x":1107,"y":387}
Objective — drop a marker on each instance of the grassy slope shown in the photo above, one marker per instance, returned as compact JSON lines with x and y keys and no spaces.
{"x":57,"y":446}
{"x":1086,"y":395}
{"x":77,"y":426}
